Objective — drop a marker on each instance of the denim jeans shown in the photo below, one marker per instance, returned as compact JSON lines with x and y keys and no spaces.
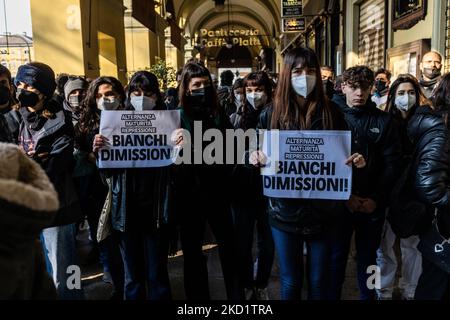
{"x":60,"y":251}
{"x":289,"y":247}
{"x":144,"y":257}
{"x":246,"y":216}
{"x":368,"y":229}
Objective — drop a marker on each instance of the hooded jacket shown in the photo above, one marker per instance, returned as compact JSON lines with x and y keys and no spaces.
{"x":375,"y":135}
{"x":28,"y":204}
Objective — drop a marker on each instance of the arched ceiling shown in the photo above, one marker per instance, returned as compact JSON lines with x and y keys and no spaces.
{"x":260,"y":14}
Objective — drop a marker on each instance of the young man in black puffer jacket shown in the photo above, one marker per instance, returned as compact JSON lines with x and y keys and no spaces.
{"x":375,"y":136}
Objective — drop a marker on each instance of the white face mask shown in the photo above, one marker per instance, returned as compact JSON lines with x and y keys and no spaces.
{"x":110,"y":103}
{"x":237,"y":98}
{"x":256,"y":99}
{"x":141,"y":103}
{"x":303,"y":84}
{"x":405,"y":102}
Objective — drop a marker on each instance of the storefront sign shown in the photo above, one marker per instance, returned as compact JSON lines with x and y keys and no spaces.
{"x":293,"y":24}
{"x":291,"y":8}
{"x":239,"y":37}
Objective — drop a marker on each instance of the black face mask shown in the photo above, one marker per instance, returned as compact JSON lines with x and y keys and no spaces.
{"x":27,"y":98}
{"x":380,"y":86}
{"x":431,"y":73}
{"x":4,"y":95}
{"x":328,"y":87}
{"x":199,"y":99}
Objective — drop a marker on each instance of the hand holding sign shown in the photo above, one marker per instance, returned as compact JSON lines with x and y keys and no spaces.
{"x":178,"y":137}
{"x":99,"y":142}
{"x":258,"y":159}
{"x":357,"y":159}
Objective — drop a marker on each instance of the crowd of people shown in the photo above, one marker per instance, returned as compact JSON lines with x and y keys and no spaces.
{"x":138,"y":216}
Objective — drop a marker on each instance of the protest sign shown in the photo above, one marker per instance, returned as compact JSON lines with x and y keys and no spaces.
{"x":138,"y":139}
{"x":307,"y":164}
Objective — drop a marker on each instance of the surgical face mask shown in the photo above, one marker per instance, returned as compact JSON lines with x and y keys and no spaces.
{"x":237,"y":98}
{"x":256,"y":99}
{"x":405,"y":102}
{"x":141,"y":103}
{"x":304,"y":84}
{"x":431,"y":73}
{"x":27,"y":98}
{"x":108,"y":103}
{"x":75,"y":101}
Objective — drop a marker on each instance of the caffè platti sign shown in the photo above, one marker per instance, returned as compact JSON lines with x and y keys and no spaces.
{"x":239,"y":37}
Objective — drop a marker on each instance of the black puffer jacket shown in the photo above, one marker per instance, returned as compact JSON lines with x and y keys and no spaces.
{"x":432,"y":165}
{"x":303,"y":216}
{"x":375,"y":135}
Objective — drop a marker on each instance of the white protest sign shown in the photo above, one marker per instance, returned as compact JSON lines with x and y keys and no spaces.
{"x":138,"y":139}
{"x":307,"y":164}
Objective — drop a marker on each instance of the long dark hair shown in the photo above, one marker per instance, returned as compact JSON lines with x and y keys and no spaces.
{"x":420,"y":97}
{"x":194,"y":70}
{"x":441,"y":98}
{"x":90,"y":116}
{"x":287,"y":113}
{"x":147,"y":82}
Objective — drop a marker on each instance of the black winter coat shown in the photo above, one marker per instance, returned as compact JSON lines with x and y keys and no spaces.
{"x":304,"y":216}
{"x":431,"y":167}
{"x":246,"y":179}
{"x":202,"y":185}
{"x":55,"y":137}
{"x":375,"y":135}
{"x":142,"y":198}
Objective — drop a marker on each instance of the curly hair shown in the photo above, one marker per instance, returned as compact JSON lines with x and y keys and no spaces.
{"x":359,"y":76}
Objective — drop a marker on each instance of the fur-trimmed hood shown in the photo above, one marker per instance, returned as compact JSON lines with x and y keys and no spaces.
{"x":28,"y":200}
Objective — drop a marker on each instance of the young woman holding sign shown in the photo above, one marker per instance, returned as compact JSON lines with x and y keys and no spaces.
{"x":300,"y":103}
{"x":139,"y":212}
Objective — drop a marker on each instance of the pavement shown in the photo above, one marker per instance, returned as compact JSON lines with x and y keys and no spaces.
{"x":96,"y":289}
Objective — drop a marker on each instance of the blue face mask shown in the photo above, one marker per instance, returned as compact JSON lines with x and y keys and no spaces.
{"x":303,"y":85}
